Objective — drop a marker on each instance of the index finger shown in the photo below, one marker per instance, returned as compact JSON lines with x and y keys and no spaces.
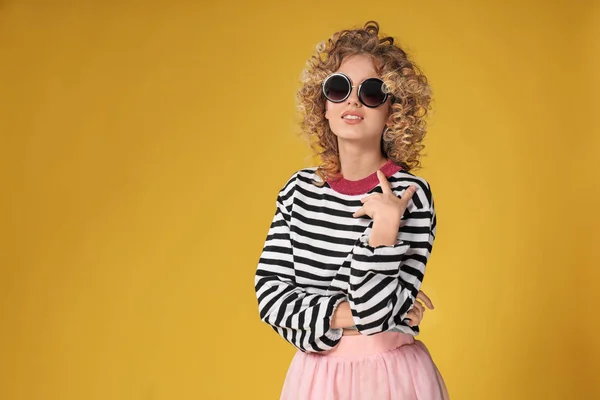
{"x":385,"y":185}
{"x":425,"y":299}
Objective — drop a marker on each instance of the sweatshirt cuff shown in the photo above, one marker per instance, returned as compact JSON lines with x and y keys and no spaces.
{"x":335,"y":334}
{"x":400,"y":247}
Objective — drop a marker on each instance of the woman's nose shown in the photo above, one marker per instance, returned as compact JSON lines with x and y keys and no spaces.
{"x":353,"y":98}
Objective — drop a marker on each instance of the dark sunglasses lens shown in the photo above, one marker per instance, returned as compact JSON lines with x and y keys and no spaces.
{"x":371,"y":92}
{"x":336,"y":88}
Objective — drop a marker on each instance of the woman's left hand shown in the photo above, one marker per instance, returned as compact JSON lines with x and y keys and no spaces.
{"x":386,"y":210}
{"x":385,"y":205}
{"x":416,"y":313}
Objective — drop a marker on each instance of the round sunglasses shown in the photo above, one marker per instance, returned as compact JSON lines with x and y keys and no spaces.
{"x":337,"y":88}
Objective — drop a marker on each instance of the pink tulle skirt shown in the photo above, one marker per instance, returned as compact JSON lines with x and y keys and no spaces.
{"x":387,"y":366}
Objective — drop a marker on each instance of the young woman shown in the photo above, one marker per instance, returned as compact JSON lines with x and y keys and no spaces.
{"x":340,"y":272}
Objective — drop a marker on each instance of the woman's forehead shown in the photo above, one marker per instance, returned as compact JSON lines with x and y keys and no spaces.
{"x":358,"y":68}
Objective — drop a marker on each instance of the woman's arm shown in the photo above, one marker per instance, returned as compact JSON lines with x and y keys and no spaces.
{"x":301,"y":318}
{"x":342,"y":316}
{"x":385,"y":279}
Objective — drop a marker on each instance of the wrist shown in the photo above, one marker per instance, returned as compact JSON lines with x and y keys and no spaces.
{"x":384,"y":233}
{"x":342,"y":316}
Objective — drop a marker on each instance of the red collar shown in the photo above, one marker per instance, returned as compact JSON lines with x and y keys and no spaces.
{"x":362,"y":186}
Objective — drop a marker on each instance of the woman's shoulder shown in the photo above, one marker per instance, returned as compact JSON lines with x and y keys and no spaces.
{"x":409,"y":177}
{"x":305,"y":177}
{"x":403,"y":178}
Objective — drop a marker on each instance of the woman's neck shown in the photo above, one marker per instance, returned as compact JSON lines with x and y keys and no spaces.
{"x":355,"y":165}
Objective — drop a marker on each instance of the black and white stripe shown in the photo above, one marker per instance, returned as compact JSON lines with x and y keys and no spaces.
{"x":317,"y":255}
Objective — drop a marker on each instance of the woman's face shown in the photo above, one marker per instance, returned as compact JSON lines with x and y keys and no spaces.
{"x":371,"y":122}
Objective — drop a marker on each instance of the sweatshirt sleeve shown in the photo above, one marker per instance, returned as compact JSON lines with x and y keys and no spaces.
{"x":385,"y":280}
{"x":301,"y":318}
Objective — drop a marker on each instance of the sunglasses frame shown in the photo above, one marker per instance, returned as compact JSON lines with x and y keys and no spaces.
{"x":347,"y":78}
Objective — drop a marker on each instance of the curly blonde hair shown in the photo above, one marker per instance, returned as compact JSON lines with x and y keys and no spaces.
{"x":407,"y":86}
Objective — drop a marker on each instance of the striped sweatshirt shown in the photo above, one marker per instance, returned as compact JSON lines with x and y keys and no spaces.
{"x":317,"y":255}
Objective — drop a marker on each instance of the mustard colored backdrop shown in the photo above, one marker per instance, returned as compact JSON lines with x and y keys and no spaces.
{"x":143,"y":145}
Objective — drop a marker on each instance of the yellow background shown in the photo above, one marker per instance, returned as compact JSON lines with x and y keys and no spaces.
{"x":143,"y":145}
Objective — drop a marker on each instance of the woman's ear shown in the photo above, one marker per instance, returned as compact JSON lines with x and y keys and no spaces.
{"x":326,"y":111}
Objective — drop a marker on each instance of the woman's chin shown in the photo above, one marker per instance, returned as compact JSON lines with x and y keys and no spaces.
{"x":353,"y":135}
